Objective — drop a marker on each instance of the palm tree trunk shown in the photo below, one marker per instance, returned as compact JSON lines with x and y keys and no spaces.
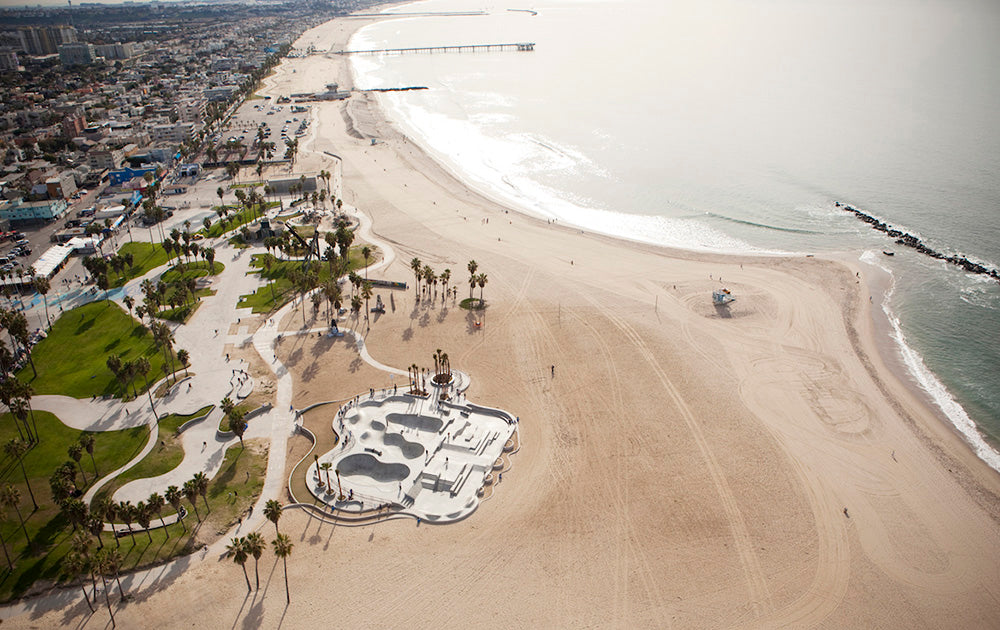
{"x":107,"y":598}
{"x":247,"y":577}
{"x":23,"y":528}
{"x":83,"y":587}
{"x":288,"y":595}
{"x":256,"y":574}
{"x":3,"y":543}
{"x":120,"y":591}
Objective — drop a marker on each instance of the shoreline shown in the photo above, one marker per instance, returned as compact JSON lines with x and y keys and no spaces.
{"x":889,"y":349}
{"x":681,"y":464}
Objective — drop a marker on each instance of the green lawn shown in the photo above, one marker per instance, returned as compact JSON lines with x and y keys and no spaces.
{"x":145,"y":258}
{"x":197,"y":269}
{"x":47,"y":529}
{"x":72,"y":360}
{"x":236,"y":220}
{"x":165,"y":456}
{"x":262,"y":300}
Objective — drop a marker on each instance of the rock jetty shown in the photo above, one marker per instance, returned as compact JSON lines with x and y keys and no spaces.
{"x":909,"y":240}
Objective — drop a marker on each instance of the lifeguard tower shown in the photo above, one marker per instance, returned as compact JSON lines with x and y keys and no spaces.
{"x":722,"y":297}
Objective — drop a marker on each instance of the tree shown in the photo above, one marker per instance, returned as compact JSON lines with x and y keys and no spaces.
{"x":481,"y":280}
{"x":3,"y":543}
{"x":255,"y":545}
{"x":76,"y":564}
{"x":155,"y":502}
{"x":472,"y":267}
{"x":185,"y":359}
{"x":87,"y":441}
{"x":42,"y":285}
{"x":283,"y":548}
{"x":209,"y":254}
{"x":237,"y":425}
{"x":366,"y":293}
{"x":220,"y":192}
{"x":11,"y":497}
{"x":127,"y":512}
{"x":200,"y":480}
{"x":110,"y":561}
{"x":417,"y":268}
{"x":173,"y":496}
{"x":191,"y":494}
{"x":16,"y":450}
{"x":76,"y":453}
{"x":237,"y":550}
{"x":108,"y":510}
{"x":366,"y":253}
{"x":142,"y":367}
{"x":272,"y":511}
{"x":142,"y":516}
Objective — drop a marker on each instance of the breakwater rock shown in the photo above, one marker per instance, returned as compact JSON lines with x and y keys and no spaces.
{"x":909,"y":240}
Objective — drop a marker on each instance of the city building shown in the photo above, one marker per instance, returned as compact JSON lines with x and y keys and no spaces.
{"x":8,"y":60}
{"x":115,"y":51}
{"x":176,"y":133}
{"x":48,"y":210}
{"x":77,"y":54}
{"x":61,"y":186}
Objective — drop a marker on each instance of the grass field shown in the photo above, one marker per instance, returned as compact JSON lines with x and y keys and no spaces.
{"x":145,"y":258}
{"x":165,"y":456}
{"x":46,"y":527}
{"x":278,"y":291}
{"x":72,"y":360}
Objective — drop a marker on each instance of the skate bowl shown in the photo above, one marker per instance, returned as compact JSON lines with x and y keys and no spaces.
{"x":418,"y":422}
{"x":410,"y":450}
{"x":365,"y":465}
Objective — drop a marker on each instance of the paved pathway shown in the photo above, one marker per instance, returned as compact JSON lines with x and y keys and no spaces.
{"x":216,"y":378}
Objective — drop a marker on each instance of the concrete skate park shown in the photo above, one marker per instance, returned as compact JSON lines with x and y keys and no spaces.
{"x":420,"y":455}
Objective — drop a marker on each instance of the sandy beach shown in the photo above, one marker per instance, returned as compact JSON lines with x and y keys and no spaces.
{"x":684,"y":466}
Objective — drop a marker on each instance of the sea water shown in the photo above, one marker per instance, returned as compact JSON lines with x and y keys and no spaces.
{"x":733,"y":126}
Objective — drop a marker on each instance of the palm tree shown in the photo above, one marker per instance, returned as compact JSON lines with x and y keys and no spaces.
{"x":16,"y":450}
{"x":142,"y":514}
{"x":472,"y":267}
{"x":326,"y":466}
{"x":76,"y":453}
{"x":185,"y":359}
{"x":220,"y":192}
{"x":87,"y":442}
{"x":11,"y":497}
{"x":100,"y":564}
{"x":76,"y":564}
{"x":42,"y":285}
{"x":366,"y":253}
{"x":191,"y":494}
{"x":108,"y":510}
{"x":236,"y":424}
{"x":3,"y":543}
{"x":366,"y":293}
{"x":416,"y":266}
{"x":127,"y":512}
{"x":255,"y":545}
{"x":237,"y":550}
{"x":283,"y":548}
{"x":272,"y":511}
{"x":110,"y":561}
{"x":445,"y":278}
{"x":142,"y":367}
{"x":200,"y":480}
{"x":173,"y":496}
{"x":481,"y":280}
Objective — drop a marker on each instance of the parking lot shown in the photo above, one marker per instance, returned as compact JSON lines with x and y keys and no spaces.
{"x":281,"y":122}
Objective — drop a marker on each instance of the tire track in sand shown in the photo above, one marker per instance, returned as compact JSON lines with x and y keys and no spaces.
{"x":760,"y":597}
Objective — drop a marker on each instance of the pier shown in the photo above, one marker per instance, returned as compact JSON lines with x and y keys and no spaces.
{"x":519,"y":46}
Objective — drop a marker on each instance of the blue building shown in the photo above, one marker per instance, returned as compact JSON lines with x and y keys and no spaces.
{"x":116,"y":178}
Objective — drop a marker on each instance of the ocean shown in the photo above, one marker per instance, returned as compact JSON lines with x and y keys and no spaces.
{"x":733,"y":126}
